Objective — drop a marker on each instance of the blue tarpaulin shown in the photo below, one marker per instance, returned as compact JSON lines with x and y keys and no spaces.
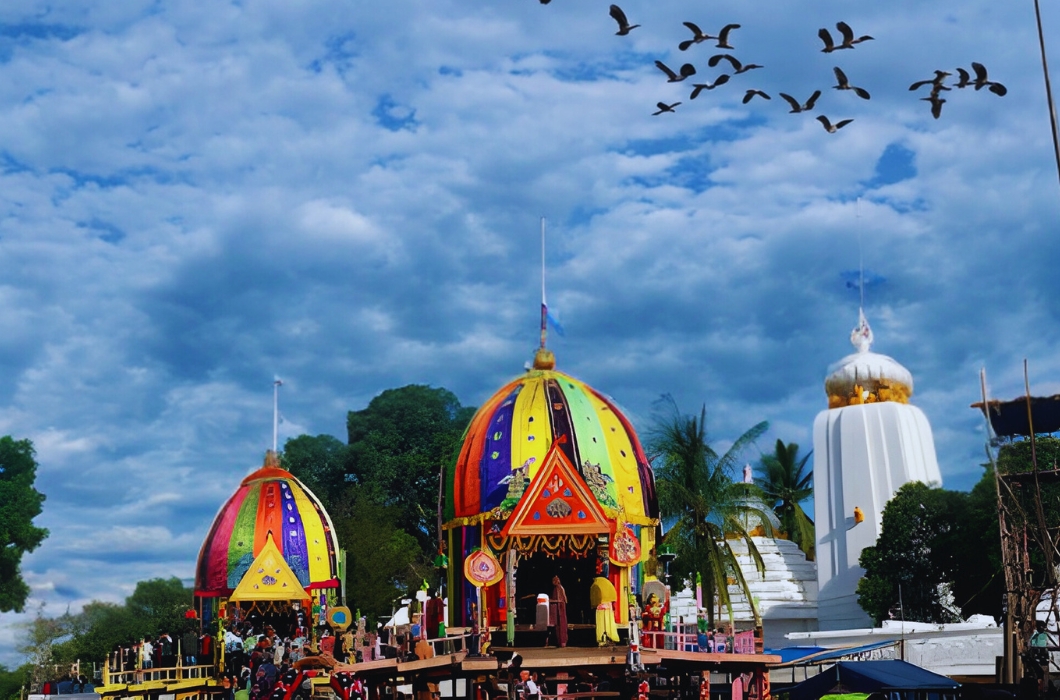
{"x":872,"y":676}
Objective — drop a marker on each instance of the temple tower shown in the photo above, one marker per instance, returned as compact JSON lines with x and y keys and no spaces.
{"x":867,"y":445}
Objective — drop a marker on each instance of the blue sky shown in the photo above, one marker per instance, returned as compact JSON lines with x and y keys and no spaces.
{"x":198,"y":197}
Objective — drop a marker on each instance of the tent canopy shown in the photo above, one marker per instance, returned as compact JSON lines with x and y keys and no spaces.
{"x":870,"y":676}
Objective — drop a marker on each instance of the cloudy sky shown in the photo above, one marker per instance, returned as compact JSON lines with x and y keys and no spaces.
{"x":197,"y":197}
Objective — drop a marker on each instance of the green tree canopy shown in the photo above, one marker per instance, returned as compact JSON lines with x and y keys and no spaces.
{"x":786,"y":483}
{"x":321,"y":463}
{"x":383,"y":561}
{"x":11,"y":682}
{"x":398,"y":445}
{"x":160,"y":603}
{"x":702,"y":503}
{"x":912,"y":567}
{"x":941,"y":549}
{"x":20,"y":503}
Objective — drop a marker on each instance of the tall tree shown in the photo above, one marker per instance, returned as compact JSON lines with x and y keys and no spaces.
{"x":702,"y":503}
{"x":398,"y":444}
{"x":20,"y":503}
{"x":786,"y":483}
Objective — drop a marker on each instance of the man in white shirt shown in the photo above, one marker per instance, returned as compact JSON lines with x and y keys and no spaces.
{"x":147,"y":651}
{"x":527,"y":688}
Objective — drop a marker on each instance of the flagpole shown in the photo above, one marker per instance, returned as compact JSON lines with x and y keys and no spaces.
{"x":276,"y":384}
{"x":1048,"y":86}
{"x":544,"y":304}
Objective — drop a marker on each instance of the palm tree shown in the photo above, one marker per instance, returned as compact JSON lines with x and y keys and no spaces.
{"x":702,"y":504}
{"x":786,"y":486}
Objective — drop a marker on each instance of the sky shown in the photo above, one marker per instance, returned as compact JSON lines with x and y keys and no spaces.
{"x":199,"y":197}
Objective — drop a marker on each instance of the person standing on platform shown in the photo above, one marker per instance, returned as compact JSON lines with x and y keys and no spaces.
{"x":557,"y":617}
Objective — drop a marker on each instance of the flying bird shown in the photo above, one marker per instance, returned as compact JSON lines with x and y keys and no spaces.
{"x":964,"y":79}
{"x":796,"y":107}
{"x":936,"y":103}
{"x":829,"y":126}
{"x":663,"y":107}
{"x":751,"y":93}
{"x":698,"y":36}
{"x":687,"y":70}
{"x":936,"y":82}
{"x":844,"y":84}
{"x":982,"y":81}
{"x":848,"y":39}
{"x":700,"y":87}
{"x":736,"y":65}
{"x":619,"y":16}
{"x":545,"y":2}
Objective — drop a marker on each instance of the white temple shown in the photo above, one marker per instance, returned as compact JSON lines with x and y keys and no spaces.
{"x":867,"y":445}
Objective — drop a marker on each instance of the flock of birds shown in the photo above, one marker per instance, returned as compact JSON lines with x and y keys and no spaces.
{"x":977,"y":78}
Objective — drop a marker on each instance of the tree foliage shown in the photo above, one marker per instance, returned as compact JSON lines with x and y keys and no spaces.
{"x":398,"y":445}
{"x":155,"y":606}
{"x":40,"y":637}
{"x":11,"y":682}
{"x":703,"y":505}
{"x":383,"y":561}
{"x":939,"y":552}
{"x":20,"y":503}
{"x":321,"y":463}
{"x":381,"y":489}
{"x":786,"y":483}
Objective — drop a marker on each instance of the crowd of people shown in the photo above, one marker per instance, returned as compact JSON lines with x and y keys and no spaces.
{"x":194,"y":648}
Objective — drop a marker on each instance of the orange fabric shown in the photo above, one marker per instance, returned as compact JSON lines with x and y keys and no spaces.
{"x":270,"y":517}
{"x":467,"y":483}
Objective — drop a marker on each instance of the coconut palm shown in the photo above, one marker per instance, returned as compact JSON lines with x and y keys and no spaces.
{"x":702,"y":504}
{"x":786,"y":484}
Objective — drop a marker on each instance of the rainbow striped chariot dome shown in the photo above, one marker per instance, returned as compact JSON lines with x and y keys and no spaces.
{"x":550,"y":480}
{"x":272,"y":540}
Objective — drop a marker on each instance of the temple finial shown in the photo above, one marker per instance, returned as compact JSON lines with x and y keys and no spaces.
{"x":861,"y":336}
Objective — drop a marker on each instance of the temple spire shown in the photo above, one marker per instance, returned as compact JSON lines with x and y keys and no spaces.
{"x":861,"y":336}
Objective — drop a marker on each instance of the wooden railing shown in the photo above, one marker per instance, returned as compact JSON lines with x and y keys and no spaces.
{"x":687,"y":638}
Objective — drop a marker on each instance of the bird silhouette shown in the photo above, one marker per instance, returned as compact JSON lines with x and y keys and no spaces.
{"x":545,"y":2}
{"x":687,"y":70}
{"x":844,"y":84}
{"x":848,"y":39}
{"x":723,"y":36}
{"x":663,"y":107}
{"x":964,"y":79}
{"x":936,"y":103}
{"x":982,"y":81}
{"x":700,"y":87}
{"x":829,"y":126}
{"x":698,"y":36}
{"x":751,"y":93}
{"x":796,"y":107}
{"x":624,"y":27}
{"x":936,"y":82}
{"x":736,"y":65}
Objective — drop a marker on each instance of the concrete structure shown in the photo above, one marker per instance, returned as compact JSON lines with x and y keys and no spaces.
{"x":786,"y":596}
{"x":867,"y":445}
{"x":962,"y":650}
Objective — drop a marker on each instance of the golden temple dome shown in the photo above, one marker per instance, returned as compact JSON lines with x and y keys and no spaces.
{"x":865,"y":376}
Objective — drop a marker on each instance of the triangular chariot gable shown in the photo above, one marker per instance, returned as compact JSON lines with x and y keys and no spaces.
{"x":557,"y":502}
{"x":269,"y":578}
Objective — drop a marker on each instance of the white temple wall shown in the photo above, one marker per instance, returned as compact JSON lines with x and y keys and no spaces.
{"x":862,"y":455}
